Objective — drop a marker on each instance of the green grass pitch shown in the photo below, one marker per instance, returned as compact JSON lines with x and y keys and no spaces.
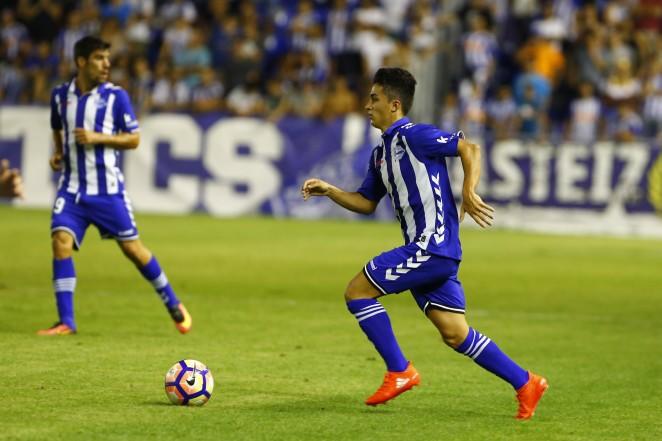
{"x":290,"y":362}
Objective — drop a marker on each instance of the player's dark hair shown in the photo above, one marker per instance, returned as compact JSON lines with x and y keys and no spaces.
{"x":398,"y":84}
{"x":86,"y":45}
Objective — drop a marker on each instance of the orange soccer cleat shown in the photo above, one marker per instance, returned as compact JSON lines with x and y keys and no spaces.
{"x":529,"y":396}
{"x":182,"y":318}
{"x":394,"y":384}
{"x":58,"y":328}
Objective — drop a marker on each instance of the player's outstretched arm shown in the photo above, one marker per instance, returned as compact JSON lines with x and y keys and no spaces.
{"x":350,"y":200}
{"x":472,"y":204}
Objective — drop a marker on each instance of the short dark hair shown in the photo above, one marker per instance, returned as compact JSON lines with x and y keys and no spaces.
{"x":86,"y":45}
{"x":398,"y":84}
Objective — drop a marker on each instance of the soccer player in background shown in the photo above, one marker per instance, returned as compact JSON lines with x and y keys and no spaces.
{"x":92,"y":120}
{"x":410,"y":166}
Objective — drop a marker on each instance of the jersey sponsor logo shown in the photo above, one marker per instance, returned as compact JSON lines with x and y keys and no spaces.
{"x":442,"y":140}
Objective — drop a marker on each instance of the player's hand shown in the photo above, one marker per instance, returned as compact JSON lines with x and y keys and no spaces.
{"x":11,"y":183}
{"x":314,"y":187}
{"x":479,"y":211}
{"x":56,"y":161}
{"x":86,"y":136}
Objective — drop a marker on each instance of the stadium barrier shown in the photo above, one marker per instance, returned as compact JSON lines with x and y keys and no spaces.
{"x":240,"y":166}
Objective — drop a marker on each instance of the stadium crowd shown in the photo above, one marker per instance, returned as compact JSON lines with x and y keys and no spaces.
{"x":535,"y":69}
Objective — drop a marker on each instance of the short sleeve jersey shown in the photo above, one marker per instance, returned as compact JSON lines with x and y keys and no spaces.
{"x":410,"y":167}
{"x":91,"y":169}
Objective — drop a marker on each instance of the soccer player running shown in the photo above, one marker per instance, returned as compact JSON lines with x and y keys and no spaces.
{"x":92,"y":120}
{"x":410,"y":166}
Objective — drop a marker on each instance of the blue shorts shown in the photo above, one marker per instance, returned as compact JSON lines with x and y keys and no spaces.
{"x":431,"y":279}
{"x":111,"y":214}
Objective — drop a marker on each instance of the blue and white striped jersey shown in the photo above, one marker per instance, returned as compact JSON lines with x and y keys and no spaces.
{"x":410,"y":166}
{"x":91,"y":169}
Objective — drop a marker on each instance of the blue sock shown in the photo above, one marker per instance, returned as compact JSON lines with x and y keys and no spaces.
{"x":64,"y":284}
{"x":153,"y":273}
{"x":488,"y":356}
{"x":376,"y":325}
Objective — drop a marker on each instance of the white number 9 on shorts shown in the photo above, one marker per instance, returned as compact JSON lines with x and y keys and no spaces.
{"x":58,"y":206}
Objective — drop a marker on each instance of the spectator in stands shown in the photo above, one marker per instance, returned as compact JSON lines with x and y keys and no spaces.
{"x":119,"y":10}
{"x":176,"y":36}
{"x":626,"y":125}
{"x":337,"y":33}
{"x":301,"y":24}
{"x":450,"y":114}
{"x":588,"y":58}
{"x":245,"y":99}
{"x":112,"y":32}
{"x":480,"y":49}
{"x":12,"y":33}
{"x":13,"y":82}
{"x":69,"y":35}
{"x":622,"y":86}
{"x":141,"y":82}
{"x":90,"y":17}
{"x":370,"y":37}
{"x":41,"y":65}
{"x":11,"y":183}
{"x":473,"y":116}
{"x":502,"y":113}
{"x":531,"y":117}
{"x":617,"y":49}
{"x":550,"y":26}
{"x":652,"y":112}
{"x":207,"y":96}
{"x":246,"y":56}
{"x":224,"y":31}
{"x":193,"y":58}
{"x":173,"y":10}
{"x":170,"y":92}
{"x":275,"y":102}
{"x":546,"y":58}
{"x":42,"y":18}
{"x":138,"y":34}
{"x":306,"y":100}
{"x":530,"y":77}
{"x":585,"y":114}
{"x":340,"y":100}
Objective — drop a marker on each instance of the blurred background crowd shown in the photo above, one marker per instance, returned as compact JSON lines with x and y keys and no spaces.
{"x":543,"y":70}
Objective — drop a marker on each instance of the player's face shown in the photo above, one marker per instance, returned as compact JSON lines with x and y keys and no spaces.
{"x":379,"y":108}
{"x":97,"y":66}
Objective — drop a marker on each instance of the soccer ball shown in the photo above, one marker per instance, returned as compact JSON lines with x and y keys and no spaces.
{"x":189,"y":382}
